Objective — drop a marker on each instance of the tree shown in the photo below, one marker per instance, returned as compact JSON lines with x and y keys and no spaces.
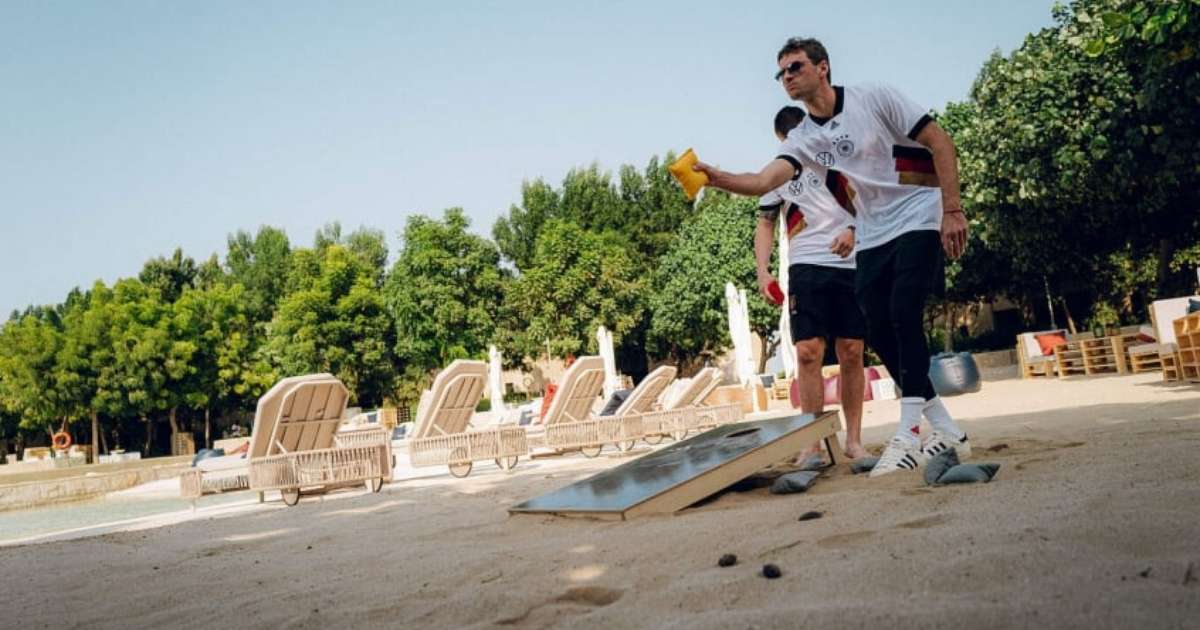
{"x":261,"y":264}
{"x":1156,"y":42}
{"x":28,"y":348}
{"x":334,"y":320}
{"x":688,"y":313}
{"x":87,"y":350}
{"x":169,"y":275}
{"x":516,"y":235}
{"x":443,"y":293}
{"x":151,"y":360}
{"x":225,"y":372}
{"x":576,"y":281}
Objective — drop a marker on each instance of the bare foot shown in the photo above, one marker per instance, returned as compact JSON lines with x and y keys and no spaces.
{"x":854,"y":450}
{"x":803,"y":456}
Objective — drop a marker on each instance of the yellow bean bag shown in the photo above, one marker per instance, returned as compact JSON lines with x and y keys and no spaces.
{"x":681,"y":170}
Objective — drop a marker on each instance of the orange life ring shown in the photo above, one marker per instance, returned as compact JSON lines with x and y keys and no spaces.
{"x":61,"y":440}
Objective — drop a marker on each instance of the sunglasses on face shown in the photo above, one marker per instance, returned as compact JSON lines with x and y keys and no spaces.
{"x":792,"y":68}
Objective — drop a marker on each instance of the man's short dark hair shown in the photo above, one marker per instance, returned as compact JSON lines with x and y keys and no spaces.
{"x":813,"y":48}
{"x":787,"y":119}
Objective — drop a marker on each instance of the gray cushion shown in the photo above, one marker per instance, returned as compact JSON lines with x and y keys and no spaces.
{"x":614,"y":403}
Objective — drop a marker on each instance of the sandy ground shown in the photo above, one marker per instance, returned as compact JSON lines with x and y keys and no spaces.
{"x":1093,"y":521}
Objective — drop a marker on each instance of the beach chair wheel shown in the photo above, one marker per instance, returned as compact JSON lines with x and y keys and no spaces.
{"x":591,"y":451}
{"x":625,"y":447}
{"x":653,"y":439}
{"x":375,"y":485}
{"x":507,"y":463}
{"x":460,"y":470}
{"x":291,"y":496}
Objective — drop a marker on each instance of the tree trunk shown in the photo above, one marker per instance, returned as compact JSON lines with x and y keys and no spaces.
{"x":768,"y":352}
{"x":948,"y":340}
{"x":174,"y":429}
{"x":104,"y":443}
{"x":207,"y":430}
{"x":1070,"y":320}
{"x":95,"y":437}
{"x":1163,"y":270}
{"x":149,"y":436}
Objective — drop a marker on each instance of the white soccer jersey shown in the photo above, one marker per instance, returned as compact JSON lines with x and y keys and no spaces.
{"x":870,"y":162}
{"x":813,"y":220}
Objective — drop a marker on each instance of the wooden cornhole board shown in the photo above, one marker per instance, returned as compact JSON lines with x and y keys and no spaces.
{"x":679,"y":475}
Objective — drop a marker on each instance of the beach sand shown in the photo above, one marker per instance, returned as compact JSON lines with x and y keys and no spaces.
{"x":1093,"y":521}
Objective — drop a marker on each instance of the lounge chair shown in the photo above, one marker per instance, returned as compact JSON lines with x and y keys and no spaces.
{"x":294,"y":446}
{"x":1033,"y":361}
{"x":441,"y":434}
{"x":569,"y":421}
{"x":687,"y":412}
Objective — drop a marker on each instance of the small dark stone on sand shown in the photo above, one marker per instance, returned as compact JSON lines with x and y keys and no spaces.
{"x":727,"y":560}
{"x":997,"y":448}
{"x":309,"y":547}
{"x":808,"y":516}
{"x":771,"y":571}
{"x":1145,"y":573}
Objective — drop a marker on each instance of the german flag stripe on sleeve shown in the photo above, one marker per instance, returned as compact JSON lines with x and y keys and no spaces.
{"x":795,"y":220}
{"x":841,"y":190}
{"x":915,"y":166}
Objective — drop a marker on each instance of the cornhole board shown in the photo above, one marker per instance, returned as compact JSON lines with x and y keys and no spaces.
{"x":679,"y":475}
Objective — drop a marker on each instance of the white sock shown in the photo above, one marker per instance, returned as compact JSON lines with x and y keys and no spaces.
{"x":910,"y":419}
{"x":939,"y":418}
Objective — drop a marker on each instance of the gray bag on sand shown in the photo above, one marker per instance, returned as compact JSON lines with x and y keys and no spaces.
{"x":795,"y":482}
{"x":863,"y":464}
{"x":969,"y":473}
{"x":945,"y":469}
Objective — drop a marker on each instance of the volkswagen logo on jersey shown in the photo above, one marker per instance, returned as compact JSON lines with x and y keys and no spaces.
{"x":796,"y":187}
{"x":825,"y":158}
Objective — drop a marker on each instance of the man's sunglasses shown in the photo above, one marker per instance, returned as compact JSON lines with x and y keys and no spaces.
{"x":792,"y":68}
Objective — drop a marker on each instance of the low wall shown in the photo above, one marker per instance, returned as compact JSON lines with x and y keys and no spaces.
{"x":48,"y":491}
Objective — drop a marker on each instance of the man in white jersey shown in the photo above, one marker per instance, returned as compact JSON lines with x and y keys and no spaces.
{"x":885,"y":159}
{"x":821,"y":300}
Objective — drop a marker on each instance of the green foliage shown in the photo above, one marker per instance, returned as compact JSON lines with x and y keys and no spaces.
{"x":260,"y":263}
{"x":28,"y":348}
{"x":333,"y":320}
{"x":688,"y":312}
{"x":577,"y":281}
{"x":170,"y":276}
{"x":444,"y":292}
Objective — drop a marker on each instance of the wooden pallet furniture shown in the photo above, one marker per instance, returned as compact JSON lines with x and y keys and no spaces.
{"x":1161,"y":354}
{"x":1187,"y":338}
{"x":1033,"y":362}
{"x":1120,"y":347}
{"x":1069,"y":357}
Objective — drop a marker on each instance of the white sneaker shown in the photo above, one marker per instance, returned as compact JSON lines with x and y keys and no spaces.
{"x":900,"y":454}
{"x":939,"y":443}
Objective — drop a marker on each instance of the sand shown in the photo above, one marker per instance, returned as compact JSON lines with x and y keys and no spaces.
{"x":1093,"y":521}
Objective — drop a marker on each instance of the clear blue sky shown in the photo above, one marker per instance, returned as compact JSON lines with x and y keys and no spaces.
{"x":130,"y":128}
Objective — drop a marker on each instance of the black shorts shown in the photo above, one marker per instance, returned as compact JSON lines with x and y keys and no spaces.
{"x":822,"y":303}
{"x":911,"y":262}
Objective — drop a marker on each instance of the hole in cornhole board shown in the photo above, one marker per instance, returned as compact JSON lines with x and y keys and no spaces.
{"x":683,"y":473}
